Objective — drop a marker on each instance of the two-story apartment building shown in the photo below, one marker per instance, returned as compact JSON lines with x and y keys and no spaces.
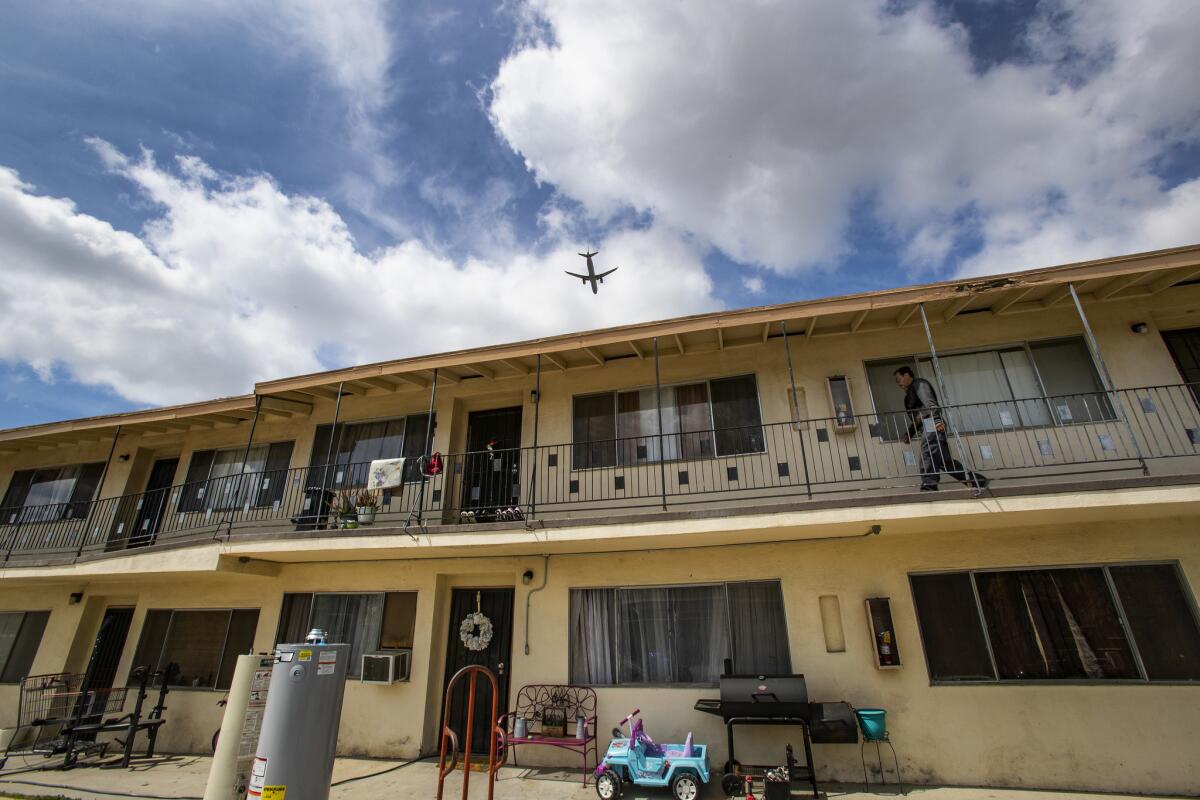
{"x":632,"y":506}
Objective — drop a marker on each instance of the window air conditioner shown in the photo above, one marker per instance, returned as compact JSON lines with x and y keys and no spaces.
{"x":386,"y":667}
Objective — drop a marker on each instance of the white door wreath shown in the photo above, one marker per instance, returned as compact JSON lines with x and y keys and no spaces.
{"x":475,"y":631}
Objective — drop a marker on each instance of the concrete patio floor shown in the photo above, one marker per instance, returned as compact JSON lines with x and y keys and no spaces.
{"x":182,"y":777}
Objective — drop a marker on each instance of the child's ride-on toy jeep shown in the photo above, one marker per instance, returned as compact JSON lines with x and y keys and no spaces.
{"x":637,"y":759}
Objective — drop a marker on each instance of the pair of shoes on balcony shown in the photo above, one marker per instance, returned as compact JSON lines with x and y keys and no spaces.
{"x":466,"y":516}
{"x":510,"y":514}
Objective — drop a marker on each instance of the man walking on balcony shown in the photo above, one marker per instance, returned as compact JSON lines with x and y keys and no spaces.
{"x":922,"y":403}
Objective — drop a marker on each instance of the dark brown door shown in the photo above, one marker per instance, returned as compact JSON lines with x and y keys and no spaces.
{"x":497,"y":606}
{"x":153,"y":502}
{"x":491,"y":469}
{"x":102,"y":666}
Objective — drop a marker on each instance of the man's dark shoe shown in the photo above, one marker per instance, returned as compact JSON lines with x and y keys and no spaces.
{"x":929,"y":488}
{"x":981,"y":482}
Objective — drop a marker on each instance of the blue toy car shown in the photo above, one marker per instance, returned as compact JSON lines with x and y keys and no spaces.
{"x":637,"y":759}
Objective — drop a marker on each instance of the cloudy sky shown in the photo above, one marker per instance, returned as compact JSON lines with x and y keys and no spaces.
{"x":198,"y":195}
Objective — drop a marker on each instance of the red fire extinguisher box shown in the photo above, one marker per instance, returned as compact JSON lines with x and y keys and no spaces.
{"x":884,"y":645}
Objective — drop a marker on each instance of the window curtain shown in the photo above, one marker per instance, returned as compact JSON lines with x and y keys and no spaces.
{"x":695,"y":421}
{"x":353,"y":619}
{"x":736,"y":416}
{"x":976,"y":382}
{"x":594,"y":431}
{"x":758,"y":628}
{"x":700,"y":633}
{"x":230,"y":485}
{"x":1071,"y":381}
{"x":1031,"y":408}
{"x":593,"y":636}
{"x":644,"y":636}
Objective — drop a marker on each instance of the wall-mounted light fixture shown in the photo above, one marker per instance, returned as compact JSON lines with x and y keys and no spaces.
{"x":533,"y":396}
{"x":123,"y":457}
{"x":527,"y":577}
{"x":75,"y":599}
{"x":1139,"y":327}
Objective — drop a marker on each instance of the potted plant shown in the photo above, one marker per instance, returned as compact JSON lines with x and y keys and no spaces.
{"x":343,"y":509}
{"x":366,"y":504}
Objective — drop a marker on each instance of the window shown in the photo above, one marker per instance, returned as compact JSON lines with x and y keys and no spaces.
{"x":1132,"y":622}
{"x":20,"y":635}
{"x":204,"y":644}
{"x":360,"y":443}
{"x":1036,"y":384}
{"x":676,"y":634}
{"x":217,"y":481}
{"x":366,"y":622}
{"x":719,"y":417}
{"x":50,"y":493}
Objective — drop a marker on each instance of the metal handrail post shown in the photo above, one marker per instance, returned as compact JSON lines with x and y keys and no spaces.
{"x":1106,"y":378}
{"x":796,"y":399}
{"x":241,"y":475}
{"x":944,"y":396}
{"x":537,"y":407}
{"x":99,"y":491}
{"x":425,"y":453}
{"x":662,"y":455}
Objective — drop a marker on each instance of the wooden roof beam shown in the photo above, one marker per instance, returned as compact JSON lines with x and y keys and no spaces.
{"x":956,"y":307}
{"x":720,"y":339}
{"x":288,"y":407}
{"x":1172,"y":278}
{"x":1117,"y":284}
{"x":1008,"y":302}
{"x":679,"y":344}
{"x":410,"y":380}
{"x":636,"y":350}
{"x":555,"y":360}
{"x":906,"y":315}
{"x":859,"y":319}
{"x":766,"y":332}
{"x":386,"y":384}
{"x":599,"y":359}
{"x":480,"y":370}
{"x":516,"y":365}
{"x":811,"y":327}
{"x":1057,"y":296}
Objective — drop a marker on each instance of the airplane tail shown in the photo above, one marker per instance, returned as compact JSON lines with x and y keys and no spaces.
{"x":589,"y":255}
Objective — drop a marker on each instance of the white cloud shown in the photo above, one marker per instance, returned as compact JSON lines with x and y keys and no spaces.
{"x":234,"y":281}
{"x":757,"y":126}
{"x":753,"y":284}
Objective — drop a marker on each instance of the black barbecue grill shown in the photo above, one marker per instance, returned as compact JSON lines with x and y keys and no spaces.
{"x":778,"y":700}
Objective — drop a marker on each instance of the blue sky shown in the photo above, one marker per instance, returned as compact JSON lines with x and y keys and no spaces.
{"x":195,"y":196}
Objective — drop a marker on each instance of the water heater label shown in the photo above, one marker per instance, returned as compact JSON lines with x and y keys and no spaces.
{"x":258,"y":773}
{"x":327,"y":657}
{"x":304,"y":655}
{"x":274,"y":792}
{"x":326,"y":669}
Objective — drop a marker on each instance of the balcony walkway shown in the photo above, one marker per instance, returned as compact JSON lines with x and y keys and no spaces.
{"x":1130,"y":437}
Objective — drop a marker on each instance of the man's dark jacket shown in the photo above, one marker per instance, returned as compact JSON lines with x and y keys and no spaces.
{"x":918,"y":396}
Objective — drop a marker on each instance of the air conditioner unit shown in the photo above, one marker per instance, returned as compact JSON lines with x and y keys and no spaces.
{"x":386,"y":667}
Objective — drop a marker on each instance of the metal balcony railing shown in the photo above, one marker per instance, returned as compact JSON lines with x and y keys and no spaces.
{"x":1040,"y":442}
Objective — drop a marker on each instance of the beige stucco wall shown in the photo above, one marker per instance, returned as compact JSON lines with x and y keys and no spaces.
{"x":1135,"y":738}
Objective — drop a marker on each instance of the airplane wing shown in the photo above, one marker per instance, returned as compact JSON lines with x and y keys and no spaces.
{"x":610,"y":272}
{"x":577,"y":275}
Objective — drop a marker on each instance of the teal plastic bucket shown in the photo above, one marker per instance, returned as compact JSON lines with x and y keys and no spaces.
{"x":873,"y":722}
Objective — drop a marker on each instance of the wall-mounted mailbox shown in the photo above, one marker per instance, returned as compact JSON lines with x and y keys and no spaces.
{"x":883,"y":633}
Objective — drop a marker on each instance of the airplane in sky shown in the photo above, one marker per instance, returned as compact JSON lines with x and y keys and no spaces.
{"x":591,"y":277}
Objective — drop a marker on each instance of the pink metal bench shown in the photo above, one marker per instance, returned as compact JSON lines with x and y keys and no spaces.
{"x":573,"y":701}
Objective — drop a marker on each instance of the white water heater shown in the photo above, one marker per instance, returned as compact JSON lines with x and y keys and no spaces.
{"x":300,"y":727}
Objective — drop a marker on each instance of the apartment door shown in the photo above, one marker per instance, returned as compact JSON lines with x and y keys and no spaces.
{"x":153,"y":502}
{"x":497,"y":606}
{"x":1185,"y":349}
{"x":491,"y":468}
{"x":106,"y":654}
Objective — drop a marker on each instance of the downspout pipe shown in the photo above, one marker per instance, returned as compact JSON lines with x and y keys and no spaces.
{"x":531,"y":593}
